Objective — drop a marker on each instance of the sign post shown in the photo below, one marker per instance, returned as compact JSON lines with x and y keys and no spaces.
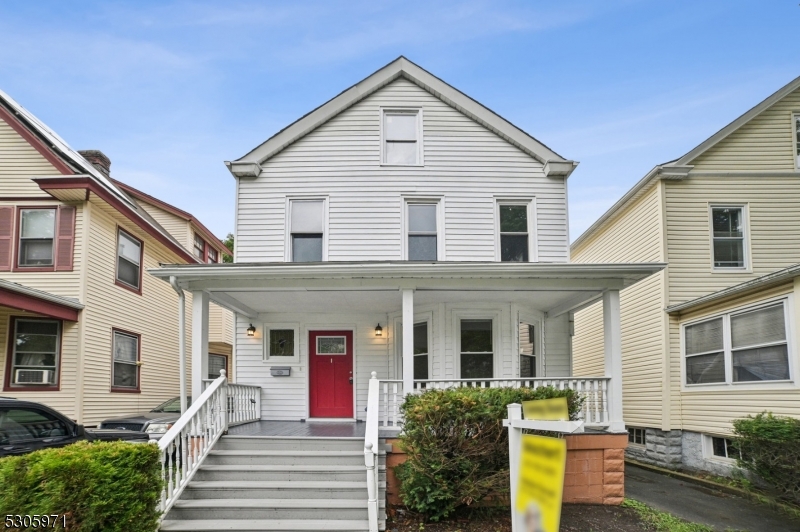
{"x":537,"y":463}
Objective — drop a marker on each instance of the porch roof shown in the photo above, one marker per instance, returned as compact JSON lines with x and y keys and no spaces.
{"x":374,"y":285}
{"x":21,"y":297}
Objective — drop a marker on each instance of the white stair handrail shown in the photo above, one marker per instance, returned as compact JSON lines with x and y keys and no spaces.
{"x":186,"y":444}
{"x":371,"y":450}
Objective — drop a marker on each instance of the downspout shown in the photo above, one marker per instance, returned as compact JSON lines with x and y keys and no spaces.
{"x":181,"y":338}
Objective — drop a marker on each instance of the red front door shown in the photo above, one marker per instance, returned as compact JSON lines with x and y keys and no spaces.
{"x":330,"y":356}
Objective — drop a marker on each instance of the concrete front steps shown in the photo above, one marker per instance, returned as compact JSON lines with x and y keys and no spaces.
{"x":279,"y":484}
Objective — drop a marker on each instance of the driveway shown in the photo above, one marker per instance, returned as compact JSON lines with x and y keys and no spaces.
{"x":699,"y":504}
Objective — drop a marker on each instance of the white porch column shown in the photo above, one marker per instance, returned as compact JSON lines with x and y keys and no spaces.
{"x":408,"y":340}
{"x":612,"y":336}
{"x":199,"y":342}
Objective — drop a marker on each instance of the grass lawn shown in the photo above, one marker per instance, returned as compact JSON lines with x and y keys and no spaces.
{"x":632,"y":516}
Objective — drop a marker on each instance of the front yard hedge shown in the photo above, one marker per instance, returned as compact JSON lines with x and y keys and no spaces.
{"x":457,"y":447}
{"x":770,"y":448}
{"x":100,"y":487}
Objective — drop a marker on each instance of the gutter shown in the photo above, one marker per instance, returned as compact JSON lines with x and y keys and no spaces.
{"x":181,"y":339}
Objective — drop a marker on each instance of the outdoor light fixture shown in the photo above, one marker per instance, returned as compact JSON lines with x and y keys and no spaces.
{"x":379,"y":330}
{"x":251,"y":331}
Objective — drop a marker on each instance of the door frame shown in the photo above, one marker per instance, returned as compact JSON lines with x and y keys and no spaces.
{"x":305,"y":349}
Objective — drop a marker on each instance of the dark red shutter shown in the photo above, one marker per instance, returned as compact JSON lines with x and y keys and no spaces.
{"x":65,"y":238}
{"x":6,"y":237}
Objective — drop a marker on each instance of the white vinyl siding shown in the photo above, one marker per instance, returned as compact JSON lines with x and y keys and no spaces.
{"x":465,"y":164}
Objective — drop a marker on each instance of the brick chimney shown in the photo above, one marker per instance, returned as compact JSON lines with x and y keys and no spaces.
{"x":98,"y":160}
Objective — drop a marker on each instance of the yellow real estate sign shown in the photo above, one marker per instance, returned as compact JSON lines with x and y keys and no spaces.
{"x":540,"y":482}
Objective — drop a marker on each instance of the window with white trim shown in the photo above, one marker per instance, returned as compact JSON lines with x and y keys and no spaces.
{"x":422,"y":231}
{"x":401,"y":137}
{"x":307,"y":220}
{"x":742,"y":346}
{"x":281,"y":343}
{"x":477,"y":349}
{"x":796,"y":122}
{"x":513,"y":219}
{"x":36,"y":237}
{"x":718,"y":447}
{"x":527,"y":350}
{"x":35,"y":357}
{"x":421,"y":351}
{"x":637,"y":436}
{"x":728,"y":226}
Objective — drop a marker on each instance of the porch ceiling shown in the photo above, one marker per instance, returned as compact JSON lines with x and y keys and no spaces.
{"x":367,"y":287}
{"x":387,"y":301}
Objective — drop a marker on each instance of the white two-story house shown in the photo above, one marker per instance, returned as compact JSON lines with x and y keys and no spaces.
{"x":399,"y":237}
{"x":401,"y":200}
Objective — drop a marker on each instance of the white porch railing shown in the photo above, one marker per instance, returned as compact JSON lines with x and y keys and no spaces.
{"x":185,"y":446}
{"x":244,"y":402}
{"x":594,"y":391}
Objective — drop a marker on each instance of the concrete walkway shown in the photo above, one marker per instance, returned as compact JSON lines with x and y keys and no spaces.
{"x":699,"y":504}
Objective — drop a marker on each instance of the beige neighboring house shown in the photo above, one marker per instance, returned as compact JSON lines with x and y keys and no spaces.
{"x":83,"y":328}
{"x":713,"y":337}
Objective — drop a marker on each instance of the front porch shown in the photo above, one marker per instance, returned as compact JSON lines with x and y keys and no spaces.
{"x":475,"y":324}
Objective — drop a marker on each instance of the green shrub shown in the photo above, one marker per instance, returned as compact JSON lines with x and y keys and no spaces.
{"x":770,"y":448}
{"x":457,"y":447}
{"x":101,"y":487}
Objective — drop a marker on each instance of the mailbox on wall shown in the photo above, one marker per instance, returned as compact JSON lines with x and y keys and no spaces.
{"x":280,"y":371}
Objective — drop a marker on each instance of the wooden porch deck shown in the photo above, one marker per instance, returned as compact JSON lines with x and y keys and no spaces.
{"x":300,"y":429}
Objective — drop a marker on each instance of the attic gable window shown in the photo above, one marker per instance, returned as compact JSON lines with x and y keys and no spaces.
{"x":401,"y":137}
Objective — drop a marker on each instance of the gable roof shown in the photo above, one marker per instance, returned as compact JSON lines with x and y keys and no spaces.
{"x":680,"y":168}
{"x":78,"y":163}
{"x":208,"y":236}
{"x":249,"y":165}
{"x":79,"y":176}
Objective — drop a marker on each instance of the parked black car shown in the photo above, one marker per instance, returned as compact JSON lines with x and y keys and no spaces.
{"x":155,"y":423}
{"x":26,"y":426}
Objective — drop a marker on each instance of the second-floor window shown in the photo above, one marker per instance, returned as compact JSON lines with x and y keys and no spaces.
{"x":422,"y":234}
{"x":514,"y":233}
{"x":796,"y":121}
{"x":401,"y":137}
{"x":36,"y":237}
{"x":728,"y":236}
{"x":307,"y":218}
{"x":129,"y":260}
{"x":199,"y":248}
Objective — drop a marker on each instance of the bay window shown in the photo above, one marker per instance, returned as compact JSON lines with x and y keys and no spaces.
{"x":421,"y":351}
{"x":749,"y":345}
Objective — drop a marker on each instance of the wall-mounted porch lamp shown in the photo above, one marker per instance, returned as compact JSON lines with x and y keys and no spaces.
{"x":251,"y":331}
{"x":379,"y":330}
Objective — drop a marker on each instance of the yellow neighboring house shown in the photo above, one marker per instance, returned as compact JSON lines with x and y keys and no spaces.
{"x":83,"y":328}
{"x":714,"y":336}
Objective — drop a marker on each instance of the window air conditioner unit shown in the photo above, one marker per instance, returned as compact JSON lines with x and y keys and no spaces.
{"x":33,"y":376}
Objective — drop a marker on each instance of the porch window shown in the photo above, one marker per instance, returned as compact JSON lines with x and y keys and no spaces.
{"x":401,"y":132}
{"x":281,"y":344}
{"x":216,"y":363}
{"x":728,"y":229}
{"x":35,"y":359}
{"x":125,"y":366}
{"x":527,"y":351}
{"x":129,"y":260}
{"x":477,"y":351}
{"x":36,"y":237}
{"x":307,"y":219}
{"x":752,"y":342}
{"x":514,"y":236}
{"x":422,"y":237}
{"x":421,"y":351}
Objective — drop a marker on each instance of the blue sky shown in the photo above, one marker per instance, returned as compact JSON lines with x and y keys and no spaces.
{"x":169,"y":90}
